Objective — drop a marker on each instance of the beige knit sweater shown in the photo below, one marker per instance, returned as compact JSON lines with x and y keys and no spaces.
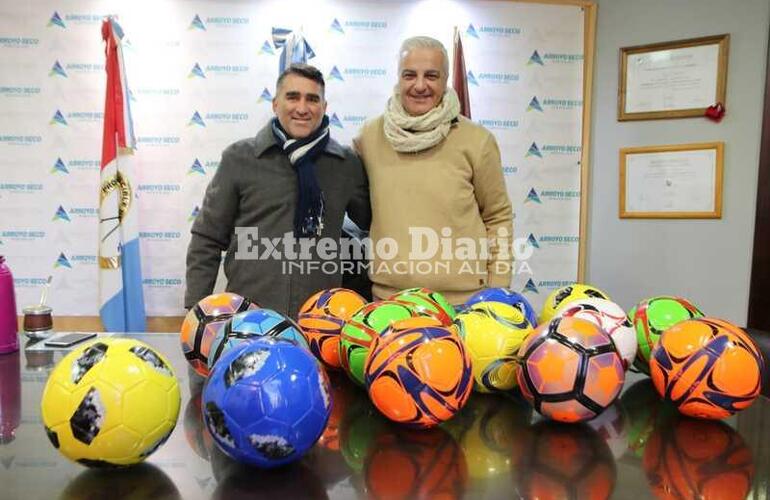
{"x":458,"y":185}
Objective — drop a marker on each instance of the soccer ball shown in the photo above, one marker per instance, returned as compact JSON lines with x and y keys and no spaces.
{"x":428,"y":302}
{"x":202,"y":323}
{"x":611,"y":318}
{"x":506,"y":296}
{"x":366,"y":324}
{"x":566,"y":294}
{"x":707,"y":367}
{"x":253,"y":324}
{"x":322,"y":317}
{"x":266,"y":402}
{"x":698,"y":459}
{"x":570,"y":370}
{"x":653,"y":316}
{"x":419,"y":377}
{"x":492,"y":333}
{"x":111,"y":402}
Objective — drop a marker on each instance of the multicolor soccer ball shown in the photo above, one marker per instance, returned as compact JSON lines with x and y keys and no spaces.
{"x":419,"y":377}
{"x":250,"y":325}
{"x":707,"y":367}
{"x":266,"y":402}
{"x":202,"y":324}
{"x":111,"y":402}
{"x":651,"y":317}
{"x":567,"y":294}
{"x":492,"y":333}
{"x":611,"y":318}
{"x":570,"y":370}
{"x":506,"y":296}
{"x":427,"y":302}
{"x":322,"y":317}
{"x":359,"y":331}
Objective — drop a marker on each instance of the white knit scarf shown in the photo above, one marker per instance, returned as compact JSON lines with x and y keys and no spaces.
{"x":412,"y":134}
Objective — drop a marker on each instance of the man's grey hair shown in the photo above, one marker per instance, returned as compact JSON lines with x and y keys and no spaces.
{"x":424,"y":42}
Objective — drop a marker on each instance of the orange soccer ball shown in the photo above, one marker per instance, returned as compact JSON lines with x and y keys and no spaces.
{"x":322,"y":317}
{"x":707,"y":367}
{"x":419,"y":377}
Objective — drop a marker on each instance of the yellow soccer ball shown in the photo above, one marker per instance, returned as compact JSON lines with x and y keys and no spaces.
{"x":566,"y":294}
{"x":492,"y":333}
{"x":111,"y":402}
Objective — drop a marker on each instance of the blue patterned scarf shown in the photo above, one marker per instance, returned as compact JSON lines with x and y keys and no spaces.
{"x":302,"y":153}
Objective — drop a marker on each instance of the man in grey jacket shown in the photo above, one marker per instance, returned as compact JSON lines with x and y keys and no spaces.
{"x":273,"y":197}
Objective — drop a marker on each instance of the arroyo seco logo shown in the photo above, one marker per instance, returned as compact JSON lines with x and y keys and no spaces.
{"x":216,"y":117}
{"x":530,"y":287}
{"x":162,"y":282}
{"x":532,"y":197}
{"x":265,"y":96}
{"x":8,"y":91}
{"x":154,"y":92}
{"x":498,"y":124}
{"x":266,"y":49}
{"x":196,"y":119}
{"x":194,"y":213}
{"x":198,"y":167}
{"x":334,"y":121}
{"x":57,"y":70}
{"x":20,"y":188}
{"x":160,"y":235}
{"x":551,"y":149}
{"x":218,"y":70}
{"x":95,"y":68}
{"x":552,"y":103}
{"x":18,"y":42}
{"x":56,"y":20}
{"x":58,"y":119}
{"x":29,"y":283}
{"x":21,"y":140}
{"x":356,"y":73}
{"x":492,"y":78}
{"x":357,"y":25}
{"x":510,"y":170}
{"x":492,"y":30}
{"x":554,"y":58}
{"x":196,"y":72}
{"x":552,"y":240}
{"x":62,"y":214}
{"x":23,"y":235}
{"x":157,"y":140}
{"x":64,"y":261}
{"x":197,"y":24}
{"x":159,"y":189}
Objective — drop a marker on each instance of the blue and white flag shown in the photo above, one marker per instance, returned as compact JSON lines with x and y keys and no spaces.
{"x":295,"y":48}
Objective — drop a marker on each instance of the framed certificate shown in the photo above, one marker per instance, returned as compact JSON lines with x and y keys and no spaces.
{"x":671,"y":182}
{"x":672,"y":79}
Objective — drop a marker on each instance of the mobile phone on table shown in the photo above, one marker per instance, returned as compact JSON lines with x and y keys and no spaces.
{"x":69,"y":340}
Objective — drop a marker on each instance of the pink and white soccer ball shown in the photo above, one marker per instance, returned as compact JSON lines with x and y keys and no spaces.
{"x":611,"y":318}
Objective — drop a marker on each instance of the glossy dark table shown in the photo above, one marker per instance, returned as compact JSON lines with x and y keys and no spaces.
{"x":495,"y":448}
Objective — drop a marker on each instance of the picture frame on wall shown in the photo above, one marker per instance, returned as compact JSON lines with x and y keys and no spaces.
{"x":676,"y":79}
{"x":682,"y":181}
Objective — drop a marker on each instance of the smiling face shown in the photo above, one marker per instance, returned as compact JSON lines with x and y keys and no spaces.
{"x":421,"y":81}
{"x":299,"y":105}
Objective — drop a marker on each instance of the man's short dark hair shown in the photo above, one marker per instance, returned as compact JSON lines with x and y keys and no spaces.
{"x":305,"y":71}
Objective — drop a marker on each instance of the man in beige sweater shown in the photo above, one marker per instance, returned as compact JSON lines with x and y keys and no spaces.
{"x":441,"y":217}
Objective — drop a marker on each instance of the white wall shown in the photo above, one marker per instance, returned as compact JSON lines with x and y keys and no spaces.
{"x":708,"y":261}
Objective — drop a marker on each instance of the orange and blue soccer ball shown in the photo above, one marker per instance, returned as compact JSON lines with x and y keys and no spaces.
{"x":419,"y":377}
{"x":322,"y":317}
{"x":570,"y":370}
{"x":266,"y":402}
{"x":202,"y":323}
{"x":251,"y":325}
{"x":707,"y":367}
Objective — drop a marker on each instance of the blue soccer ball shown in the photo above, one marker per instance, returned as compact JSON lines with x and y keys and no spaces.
{"x":506,"y":296}
{"x":266,"y":402}
{"x":253,"y":324}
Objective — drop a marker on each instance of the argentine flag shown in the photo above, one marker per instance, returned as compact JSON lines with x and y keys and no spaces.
{"x":120,"y":272}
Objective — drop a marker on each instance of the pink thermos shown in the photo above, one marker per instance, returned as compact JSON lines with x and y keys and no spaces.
{"x":9,"y":338}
